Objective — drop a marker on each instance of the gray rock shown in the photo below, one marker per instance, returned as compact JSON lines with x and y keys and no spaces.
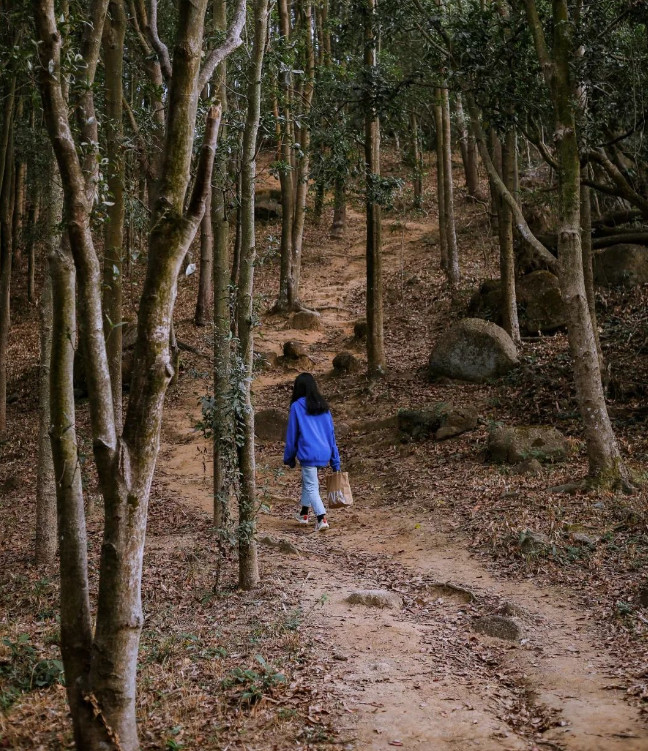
{"x":283,"y":546}
{"x":642,"y":595}
{"x":527,"y":467}
{"x":267,"y":205}
{"x":360,"y":330}
{"x":540,"y":304}
{"x":534,"y":542}
{"x":473,"y":350}
{"x":499,"y":626}
{"x":294,"y":350}
{"x":441,"y":420}
{"x":375,"y":598}
{"x":584,"y":539}
{"x":309,"y":320}
{"x":621,"y":265}
{"x":512,"y":445}
{"x":270,"y":424}
{"x":450,"y":591}
{"x":345,"y":362}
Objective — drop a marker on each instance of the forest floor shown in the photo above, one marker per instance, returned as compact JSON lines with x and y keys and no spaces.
{"x":293,"y":665}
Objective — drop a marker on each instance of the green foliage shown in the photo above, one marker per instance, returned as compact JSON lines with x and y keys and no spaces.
{"x":24,"y":671}
{"x":252,"y":684}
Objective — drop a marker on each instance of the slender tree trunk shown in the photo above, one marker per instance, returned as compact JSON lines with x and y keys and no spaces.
{"x":222,"y":421}
{"x":206,"y":271}
{"x":30,"y":249}
{"x":46,"y":537}
{"x":417,"y":159}
{"x":286,"y":169}
{"x":495,"y":197}
{"x":76,"y":622}
{"x":468,"y":151}
{"x":376,"y":362}
{"x":441,"y":202}
{"x":588,"y":270}
{"x":507,"y":255}
{"x":303,"y":165}
{"x":448,"y":193}
{"x":339,"y":209}
{"x":248,"y":562}
{"x":113,"y":272}
{"x":6,"y":256}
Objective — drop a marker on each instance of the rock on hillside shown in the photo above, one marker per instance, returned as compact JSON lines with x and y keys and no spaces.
{"x":622,"y":265}
{"x":442,"y":420}
{"x":473,"y":350}
{"x":511,"y":445}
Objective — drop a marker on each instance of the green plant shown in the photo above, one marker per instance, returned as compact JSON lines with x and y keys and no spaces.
{"x":253,"y":684}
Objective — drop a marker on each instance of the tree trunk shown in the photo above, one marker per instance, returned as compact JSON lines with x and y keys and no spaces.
{"x":248,"y":563}
{"x":113,"y":274}
{"x":507,"y":256}
{"x":30,"y":249}
{"x":468,"y":151}
{"x":205,"y":281}
{"x":6,"y":250}
{"x":46,"y":538}
{"x":376,"y":362}
{"x":339,"y":209}
{"x":440,"y":161}
{"x":417,"y":161}
{"x":588,"y":270}
{"x":605,"y":463}
{"x":222,"y":426}
{"x":303,"y":164}
{"x":285,"y":171}
{"x":452,"y":270}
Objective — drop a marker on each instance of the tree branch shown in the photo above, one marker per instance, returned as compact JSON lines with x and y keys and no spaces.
{"x":232,"y":41}
{"x":202,"y":182}
{"x":624,"y":189}
{"x":158,"y":45}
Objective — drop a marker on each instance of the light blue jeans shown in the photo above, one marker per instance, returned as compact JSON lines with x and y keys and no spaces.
{"x":310,"y":495}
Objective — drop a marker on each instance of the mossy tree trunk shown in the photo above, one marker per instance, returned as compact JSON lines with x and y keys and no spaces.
{"x":605,"y":463}
{"x":507,"y":256}
{"x":248,"y":562}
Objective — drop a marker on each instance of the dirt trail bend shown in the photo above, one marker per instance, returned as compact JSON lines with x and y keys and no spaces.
{"x":420,"y":676}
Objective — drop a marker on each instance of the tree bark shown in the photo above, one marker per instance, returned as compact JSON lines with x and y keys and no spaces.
{"x":440,"y":160}
{"x":206,"y":271}
{"x":113,"y":272}
{"x":507,"y":255}
{"x":468,"y":151}
{"x":46,"y":537}
{"x":376,"y":362}
{"x":339,"y":209}
{"x":452,"y":270}
{"x":417,"y":161}
{"x":588,"y":270}
{"x":248,"y":562}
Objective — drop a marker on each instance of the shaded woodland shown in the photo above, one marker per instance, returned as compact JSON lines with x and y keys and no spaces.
{"x":438,"y":206}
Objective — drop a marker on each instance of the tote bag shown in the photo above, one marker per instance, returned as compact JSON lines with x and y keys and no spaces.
{"x":338,"y":490}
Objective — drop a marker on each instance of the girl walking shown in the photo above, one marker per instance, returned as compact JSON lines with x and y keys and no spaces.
{"x":311,"y":439}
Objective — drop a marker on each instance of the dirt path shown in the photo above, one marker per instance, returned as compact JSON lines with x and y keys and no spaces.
{"x":419,"y":677}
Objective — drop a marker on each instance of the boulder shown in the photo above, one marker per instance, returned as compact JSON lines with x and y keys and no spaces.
{"x":441,"y":420}
{"x":473,"y":350}
{"x":622,"y":265}
{"x":294,"y":350}
{"x":283,"y":546}
{"x":534,"y":542}
{"x":527,"y":467}
{"x":270,"y":424}
{"x":360,"y":330}
{"x":540,"y":305}
{"x":499,"y":626}
{"x":512,"y":445}
{"x":306,"y":320}
{"x":345,"y":362}
{"x":375,"y":598}
{"x":267,"y":205}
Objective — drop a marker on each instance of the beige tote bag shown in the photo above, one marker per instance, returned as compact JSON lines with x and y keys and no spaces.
{"x":338,"y":490}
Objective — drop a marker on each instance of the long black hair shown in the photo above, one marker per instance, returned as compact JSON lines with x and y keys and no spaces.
{"x":305,"y":386}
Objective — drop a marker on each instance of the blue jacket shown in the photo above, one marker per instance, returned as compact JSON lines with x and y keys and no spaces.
{"x":310,"y":438}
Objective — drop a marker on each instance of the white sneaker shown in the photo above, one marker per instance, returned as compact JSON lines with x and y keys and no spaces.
{"x":322,"y":526}
{"x":301,"y":519}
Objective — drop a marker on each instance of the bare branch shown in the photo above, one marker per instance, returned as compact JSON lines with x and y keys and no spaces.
{"x":232,"y":41}
{"x":624,"y":189}
{"x":158,"y":45}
